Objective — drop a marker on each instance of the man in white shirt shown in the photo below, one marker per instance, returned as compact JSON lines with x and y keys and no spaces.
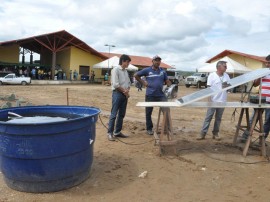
{"x":217,"y":80}
{"x":120,"y":93}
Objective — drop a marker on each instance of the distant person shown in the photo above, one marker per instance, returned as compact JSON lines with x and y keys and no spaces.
{"x":120,"y":94}
{"x":155,"y":77}
{"x":93,"y":76}
{"x":70,"y":75}
{"x":33,"y":72}
{"x":25,"y":72}
{"x":20,"y":72}
{"x":75,"y":75}
{"x":49,"y":74}
{"x":137,"y":84}
{"x":218,"y":80}
{"x":106,"y":78}
{"x":64,"y":76}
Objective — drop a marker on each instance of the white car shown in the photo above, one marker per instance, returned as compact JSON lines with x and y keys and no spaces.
{"x":13,"y":79}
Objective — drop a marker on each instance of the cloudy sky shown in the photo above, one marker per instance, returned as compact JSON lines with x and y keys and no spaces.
{"x":185,"y":33}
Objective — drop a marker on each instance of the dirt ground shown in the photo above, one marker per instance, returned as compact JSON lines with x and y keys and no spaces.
{"x":205,"y":170}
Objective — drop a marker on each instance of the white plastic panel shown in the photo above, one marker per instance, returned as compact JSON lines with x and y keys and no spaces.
{"x":237,"y":81}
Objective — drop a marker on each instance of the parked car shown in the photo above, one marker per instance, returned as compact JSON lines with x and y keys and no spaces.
{"x":174,"y":76}
{"x":13,"y":79}
{"x":197,"y":79}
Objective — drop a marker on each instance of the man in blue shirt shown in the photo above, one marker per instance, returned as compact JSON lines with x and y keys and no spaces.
{"x":155,"y":79}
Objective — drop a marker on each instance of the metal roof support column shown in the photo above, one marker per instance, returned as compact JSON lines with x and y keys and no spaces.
{"x":23,"y":56}
{"x":31,"y":57}
{"x":53,"y":64}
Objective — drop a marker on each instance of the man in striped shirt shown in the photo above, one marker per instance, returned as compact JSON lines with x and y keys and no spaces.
{"x":266,"y":93}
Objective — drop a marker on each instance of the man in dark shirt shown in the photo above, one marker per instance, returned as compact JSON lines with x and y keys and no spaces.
{"x":155,"y":79}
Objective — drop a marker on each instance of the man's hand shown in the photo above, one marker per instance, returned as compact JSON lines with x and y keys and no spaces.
{"x":145,"y":84}
{"x":126,"y":93}
{"x":168,"y":83}
{"x":257,"y":82}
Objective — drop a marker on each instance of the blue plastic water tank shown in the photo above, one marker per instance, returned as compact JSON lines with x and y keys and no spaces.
{"x":47,"y":157}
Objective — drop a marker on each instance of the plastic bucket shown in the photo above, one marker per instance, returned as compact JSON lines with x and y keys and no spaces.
{"x":48,"y":156}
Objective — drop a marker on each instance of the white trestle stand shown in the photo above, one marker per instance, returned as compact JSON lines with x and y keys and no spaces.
{"x":166,"y":134}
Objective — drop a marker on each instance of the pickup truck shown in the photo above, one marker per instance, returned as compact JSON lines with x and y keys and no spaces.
{"x":174,"y":76}
{"x":197,"y":79}
{"x":13,"y":79}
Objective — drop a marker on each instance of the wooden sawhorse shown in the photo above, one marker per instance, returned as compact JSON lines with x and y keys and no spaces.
{"x":165,"y":136}
{"x":257,"y":118}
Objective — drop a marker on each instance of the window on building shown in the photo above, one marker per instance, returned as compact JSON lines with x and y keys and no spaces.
{"x":84,"y":70}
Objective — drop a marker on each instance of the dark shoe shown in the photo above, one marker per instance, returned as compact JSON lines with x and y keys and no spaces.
{"x":121,"y":135}
{"x":110,"y":137}
{"x":150,"y":132}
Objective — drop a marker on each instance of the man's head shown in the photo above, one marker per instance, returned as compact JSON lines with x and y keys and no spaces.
{"x":156,"y":60}
{"x":267,"y":63}
{"x":124,"y":60}
{"x":221,"y":66}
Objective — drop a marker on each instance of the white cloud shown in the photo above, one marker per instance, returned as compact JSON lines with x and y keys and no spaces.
{"x":184,"y":33}
{"x":184,"y":8}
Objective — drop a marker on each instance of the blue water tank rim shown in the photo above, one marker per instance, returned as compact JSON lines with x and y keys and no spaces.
{"x":50,"y":107}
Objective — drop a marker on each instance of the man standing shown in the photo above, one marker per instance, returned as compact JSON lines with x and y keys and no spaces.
{"x":155,"y":78}
{"x":93,"y":76}
{"x":218,"y":80}
{"x":75,"y":75}
{"x":106,"y":78}
{"x":266,"y":93}
{"x":120,"y":86}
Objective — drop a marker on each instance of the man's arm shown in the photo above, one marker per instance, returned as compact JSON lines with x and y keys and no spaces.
{"x":257,"y":82}
{"x":138,"y":78}
{"x":168,"y":82}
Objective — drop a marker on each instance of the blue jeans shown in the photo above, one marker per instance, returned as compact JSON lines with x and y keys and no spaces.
{"x":119,"y":106}
{"x":149,"y":110}
{"x":266,"y":126}
{"x":209,"y":115}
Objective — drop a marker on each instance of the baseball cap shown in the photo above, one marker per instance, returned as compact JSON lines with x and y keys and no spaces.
{"x":156,"y":57}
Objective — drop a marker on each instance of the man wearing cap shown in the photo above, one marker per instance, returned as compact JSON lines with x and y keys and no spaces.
{"x":155,"y":77}
{"x":219,"y":80}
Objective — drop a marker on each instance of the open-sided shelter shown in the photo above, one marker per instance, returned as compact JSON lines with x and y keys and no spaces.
{"x":233,"y":67}
{"x":111,"y":63}
{"x":57,"y":49}
{"x":138,"y":61}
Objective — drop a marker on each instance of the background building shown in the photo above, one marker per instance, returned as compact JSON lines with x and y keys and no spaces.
{"x":58,"y":51}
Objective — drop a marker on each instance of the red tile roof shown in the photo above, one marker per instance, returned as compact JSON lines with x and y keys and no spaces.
{"x":138,"y":61}
{"x":55,"y":40}
{"x":228,"y":52}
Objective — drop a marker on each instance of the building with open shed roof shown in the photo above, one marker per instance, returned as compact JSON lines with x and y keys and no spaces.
{"x":58,"y":50}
